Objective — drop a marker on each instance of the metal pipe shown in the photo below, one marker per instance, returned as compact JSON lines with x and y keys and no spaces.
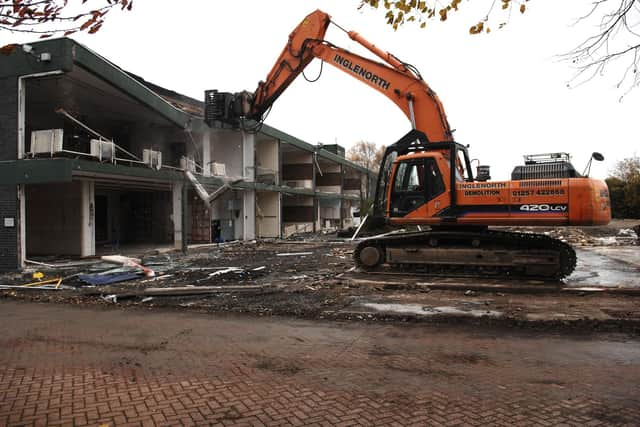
{"x":412,"y":115}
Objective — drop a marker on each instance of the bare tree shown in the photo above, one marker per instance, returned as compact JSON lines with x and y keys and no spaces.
{"x":53,"y":17}
{"x":366,"y":154}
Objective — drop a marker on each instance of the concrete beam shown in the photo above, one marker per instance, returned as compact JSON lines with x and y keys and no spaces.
{"x":206,"y":152}
{"x":248,"y":196}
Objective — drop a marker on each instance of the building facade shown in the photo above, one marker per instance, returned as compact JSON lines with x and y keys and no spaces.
{"x":93,"y":158}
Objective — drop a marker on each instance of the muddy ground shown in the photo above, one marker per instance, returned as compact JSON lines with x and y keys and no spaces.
{"x":313,"y":277}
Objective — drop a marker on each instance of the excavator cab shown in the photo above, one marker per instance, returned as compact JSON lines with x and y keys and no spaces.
{"x":415,"y":177}
{"x":416,"y":182}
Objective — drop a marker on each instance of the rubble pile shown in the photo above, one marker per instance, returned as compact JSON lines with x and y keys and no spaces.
{"x":225,"y":270}
{"x":618,"y":233}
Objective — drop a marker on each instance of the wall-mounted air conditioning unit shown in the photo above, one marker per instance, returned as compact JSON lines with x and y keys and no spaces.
{"x":47,"y":141}
{"x":152,"y":158}
{"x":188,"y":164}
{"x":105,"y":151}
{"x":218,"y":169}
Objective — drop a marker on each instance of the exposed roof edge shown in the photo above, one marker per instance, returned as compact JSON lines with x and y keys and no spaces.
{"x":121,"y":79}
{"x":65,"y":53}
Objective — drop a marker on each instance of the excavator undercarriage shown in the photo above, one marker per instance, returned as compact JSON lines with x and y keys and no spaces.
{"x":480,"y":252}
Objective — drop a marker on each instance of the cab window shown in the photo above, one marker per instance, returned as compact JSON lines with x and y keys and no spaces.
{"x":408,"y":188}
{"x":415,"y":183}
{"x":433,"y":178}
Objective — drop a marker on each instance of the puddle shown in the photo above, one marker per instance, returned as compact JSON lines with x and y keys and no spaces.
{"x":606,"y":267}
{"x":628,"y":254}
{"x":430,"y":311}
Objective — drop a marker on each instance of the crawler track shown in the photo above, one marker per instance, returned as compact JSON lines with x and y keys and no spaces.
{"x":486,"y":253}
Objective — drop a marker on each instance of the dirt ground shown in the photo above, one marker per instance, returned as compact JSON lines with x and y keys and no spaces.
{"x":313,"y":277}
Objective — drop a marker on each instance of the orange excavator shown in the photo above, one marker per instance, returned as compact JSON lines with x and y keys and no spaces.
{"x":426,"y":179}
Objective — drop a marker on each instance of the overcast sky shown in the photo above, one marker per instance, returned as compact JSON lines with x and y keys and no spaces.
{"x":505,"y":93}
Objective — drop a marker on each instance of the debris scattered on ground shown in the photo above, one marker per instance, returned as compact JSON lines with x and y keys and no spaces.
{"x":154,"y":279}
{"x":225,"y":271}
{"x":108,"y":278}
{"x":48,"y":287}
{"x":63,"y":264}
{"x":129,"y":262}
{"x":110,"y":298}
{"x":315,"y":277}
{"x":294,"y":254}
{"x":636,"y":229}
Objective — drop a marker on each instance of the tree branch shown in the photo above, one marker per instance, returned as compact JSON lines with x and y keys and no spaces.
{"x":616,"y":40}
{"x":45,"y":17}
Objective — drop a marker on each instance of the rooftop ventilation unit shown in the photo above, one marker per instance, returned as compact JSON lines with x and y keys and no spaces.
{"x":48,"y":141}
{"x":105,"y":151}
{"x":218,"y":169}
{"x":188,"y":164}
{"x":152,"y":158}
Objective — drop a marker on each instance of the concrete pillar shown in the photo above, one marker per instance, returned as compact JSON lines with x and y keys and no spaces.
{"x":249,"y":196}
{"x":206,"y":152}
{"x":249,"y":210}
{"x":248,"y":156}
{"x":176,"y":215}
{"x":185,"y":217}
{"x":279,"y":215}
{"x":87,"y":218}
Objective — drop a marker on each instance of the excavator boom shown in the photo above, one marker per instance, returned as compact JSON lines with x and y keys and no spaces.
{"x":398,"y":81}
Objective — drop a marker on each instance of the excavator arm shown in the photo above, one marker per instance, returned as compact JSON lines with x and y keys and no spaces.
{"x":398,"y":81}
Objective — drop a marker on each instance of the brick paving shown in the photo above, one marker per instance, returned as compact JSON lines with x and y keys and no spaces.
{"x":63,"y":365}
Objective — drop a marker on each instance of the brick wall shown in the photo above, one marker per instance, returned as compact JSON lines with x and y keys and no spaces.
{"x":8,"y":118}
{"x":8,"y":236}
{"x":8,"y":151}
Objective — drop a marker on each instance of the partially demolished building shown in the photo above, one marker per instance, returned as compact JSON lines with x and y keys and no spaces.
{"x":93,"y":158}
